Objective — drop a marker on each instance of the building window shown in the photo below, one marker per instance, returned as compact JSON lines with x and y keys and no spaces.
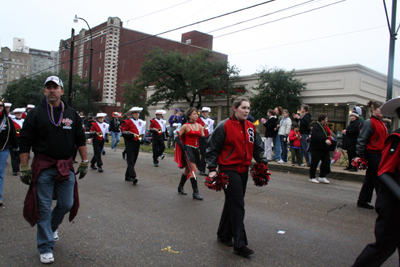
{"x":75,"y":49}
{"x":100,"y":55}
{"x":330,"y":112}
{"x":99,"y":69}
{"x":17,"y":66}
{"x":101,"y":39}
{"x":85,"y":73}
{"x":98,"y":85}
{"x":86,"y":59}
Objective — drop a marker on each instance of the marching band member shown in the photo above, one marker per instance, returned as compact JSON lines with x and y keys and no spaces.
{"x":231,"y":148}
{"x":101,"y":129}
{"x":18,"y":122}
{"x":133,"y":130}
{"x":208,"y":125}
{"x":370,"y":143}
{"x":157,"y":127}
{"x":387,"y":226}
{"x":190,"y":133}
{"x":28,"y":108}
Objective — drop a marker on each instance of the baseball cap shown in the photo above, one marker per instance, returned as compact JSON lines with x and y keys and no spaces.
{"x":54,"y":79}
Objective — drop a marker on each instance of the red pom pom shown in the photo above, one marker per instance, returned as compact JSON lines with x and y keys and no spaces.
{"x":260,"y":173}
{"x":218,"y":182}
{"x":360,"y":163}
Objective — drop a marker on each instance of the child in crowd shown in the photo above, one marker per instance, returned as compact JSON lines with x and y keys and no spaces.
{"x":295,"y":145}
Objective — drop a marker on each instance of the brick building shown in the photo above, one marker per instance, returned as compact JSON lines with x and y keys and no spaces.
{"x":117,"y":56}
{"x":12,"y":66}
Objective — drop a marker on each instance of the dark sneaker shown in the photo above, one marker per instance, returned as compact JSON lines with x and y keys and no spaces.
{"x":93,"y":167}
{"x":99,"y":169}
{"x":128,"y":179}
{"x":365,"y":205}
{"x":123,"y":155}
{"x":155,"y":164}
{"x":135,"y":180}
{"x":244,"y":251}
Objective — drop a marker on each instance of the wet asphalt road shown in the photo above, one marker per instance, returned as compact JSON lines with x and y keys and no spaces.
{"x":120,"y":224}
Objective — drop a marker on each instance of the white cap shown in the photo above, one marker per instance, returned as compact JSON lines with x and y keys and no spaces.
{"x":7,"y":105}
{"x":136,"y":109}
{"x":160,"y":111}
{"x":30,"y":106}
{"x":101,"y":115}
{"x":18,"y":110}
{"x":54,"y":79}
{"x":389,"y":108}
{"x":206,"y":109}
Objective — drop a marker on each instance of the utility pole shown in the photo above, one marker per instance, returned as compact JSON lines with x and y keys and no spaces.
{"x":71,"y":61}
{"x":393,"y":34}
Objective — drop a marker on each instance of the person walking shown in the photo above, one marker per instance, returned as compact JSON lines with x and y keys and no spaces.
{"x":277,"y":141}
{"x":350,"y":135}
{"x":285,"y":126}
{"x":270,"y":132}
{"x":304,"y":121}
{"x":233,"y":144}
{"x":18,"y":123}
{"x":158,"y":128}
{"x":100,"y":131}
{"x":8,"y":142}
{"x":51,"y":129}
{"x":370,"y":143}
{"x":321,"y":139}
{"x":189,"y":133}
{"x":387,"y":225}
{"x":115,"y":129}
{"x":208,"y":127}
{"x":174,"y":118}
{"x":133,"y":130}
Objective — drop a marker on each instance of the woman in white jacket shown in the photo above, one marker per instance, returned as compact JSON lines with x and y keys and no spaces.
{"x":284,"y":130}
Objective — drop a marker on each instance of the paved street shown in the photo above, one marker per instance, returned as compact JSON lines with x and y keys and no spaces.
{"x":120,"y":224}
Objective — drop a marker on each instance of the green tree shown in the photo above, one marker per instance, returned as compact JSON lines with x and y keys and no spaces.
{"x":276,"y":87}
{"x":135,"y":95}
{"x":178,"y":77}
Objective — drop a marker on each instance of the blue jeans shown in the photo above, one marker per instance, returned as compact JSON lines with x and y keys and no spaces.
{"x":51,"y":219}
{"x":283,"y":147}
{"x":3,"y":161}
{"x":304,"y":146}
{"x":115,"y":136}
{"x":277,"y":147}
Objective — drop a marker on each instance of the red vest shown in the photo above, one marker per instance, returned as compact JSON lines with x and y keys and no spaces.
{"x":129,"y":126}
{"x":96,"y":128}
{"x":154,"y":124}
{"x":378,"y":137}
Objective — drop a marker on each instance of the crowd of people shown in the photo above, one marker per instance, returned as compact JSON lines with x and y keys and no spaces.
{"x":55,"y":132}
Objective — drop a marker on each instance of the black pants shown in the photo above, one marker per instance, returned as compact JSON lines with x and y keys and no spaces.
{"x":371,"y":177}
{"x":316,"y":156}
{"x":97,"y":148}
{"x":296,"y":155}
{"x":232,"y":218}
{"x":387,"y":233}
{"x":203,"y":147}
{"x":351,"y":155}
{"x":14,"y":155}
{"x":132,"y":153}
{"x":158,"y":146}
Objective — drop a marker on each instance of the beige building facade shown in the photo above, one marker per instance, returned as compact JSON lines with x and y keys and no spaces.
{"x":332,"y":90}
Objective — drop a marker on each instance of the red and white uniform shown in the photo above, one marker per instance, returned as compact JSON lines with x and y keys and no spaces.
{"x":207,"y":124}
{"x":158,"y":124}
{"x":134,"y":126}
{"x":18,"y":125}
{"x":100,"y":127}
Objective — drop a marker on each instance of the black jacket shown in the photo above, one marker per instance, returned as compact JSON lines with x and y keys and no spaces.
{"x":304,"y":123}
{"x":270,"y":125}
{"x":115,"y":126}
{"x":350,"y":138}
{"x":318,"y":138}
{"x":8,"y":136}
{"x":56,"y":142}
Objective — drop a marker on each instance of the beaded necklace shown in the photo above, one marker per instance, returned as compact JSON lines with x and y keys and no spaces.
{"x":50,"y":113}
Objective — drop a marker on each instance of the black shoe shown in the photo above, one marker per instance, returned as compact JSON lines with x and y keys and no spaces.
{"x":134,"y":181}
{"x":93,"y":167}
{"x":15,"y":173}
{"x":196,"y":195}
{"x":365,"y":205}
{"x":155,"y":164}
{"x":181,"y":191}
{"x":228,"y":243}
{"x":347,"y":168}
{"x":203,"y":173}
{"x":129,"y":179}
{"x":74,"y":161}
{"x":353,"y":170}
{"x":308,"y":165}
{"x":162,"y":156}
{"x":244,"y":251}
{"x":99,"y":169}
{"x":123,"y":155}
{"x":103,"y":152}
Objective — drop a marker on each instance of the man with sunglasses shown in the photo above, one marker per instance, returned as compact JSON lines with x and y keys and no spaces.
{"x":51,"y":129}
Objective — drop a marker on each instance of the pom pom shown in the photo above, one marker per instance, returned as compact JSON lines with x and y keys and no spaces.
{"x":218,"y":182}
{"x":260,"y":173}
{"x":360,"y":163}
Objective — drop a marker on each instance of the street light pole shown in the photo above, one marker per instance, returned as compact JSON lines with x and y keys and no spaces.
{"x":90,"y":66}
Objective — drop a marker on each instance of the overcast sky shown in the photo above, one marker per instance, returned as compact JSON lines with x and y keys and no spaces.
{"x":348,"y":32}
